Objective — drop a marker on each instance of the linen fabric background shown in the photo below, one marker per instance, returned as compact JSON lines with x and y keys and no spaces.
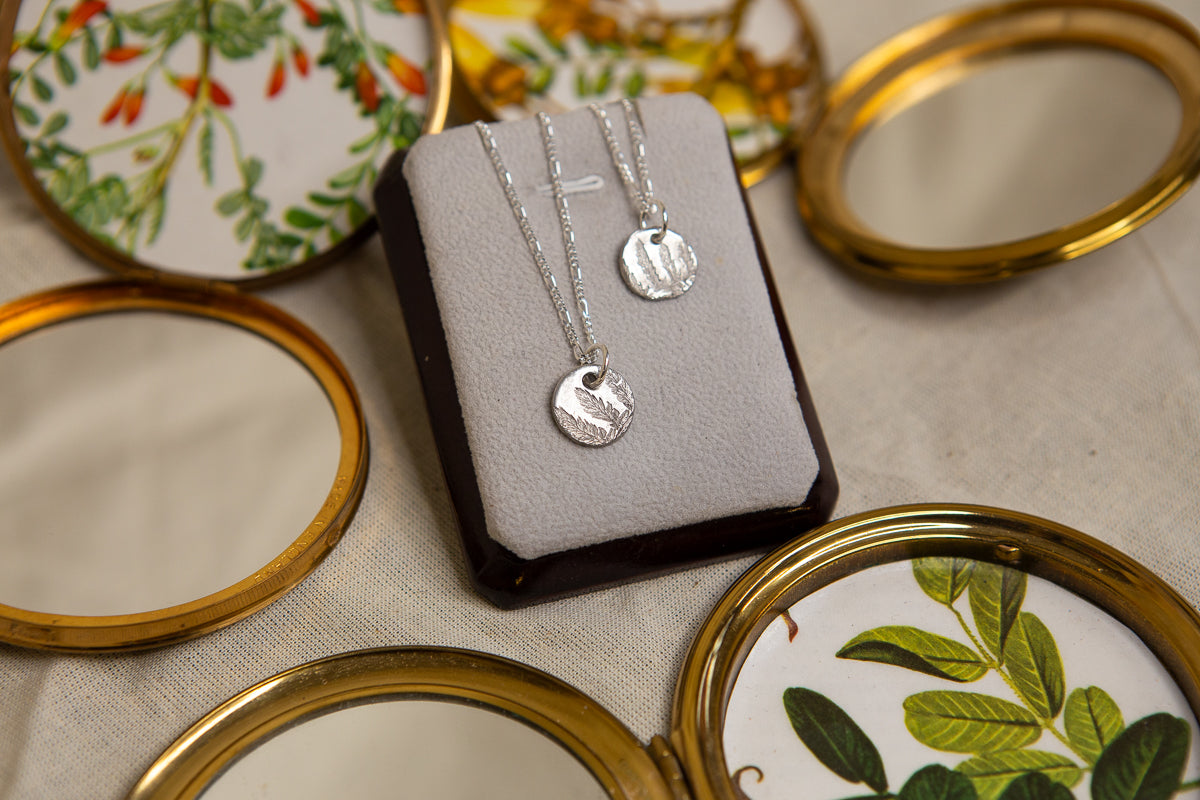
{"x":1073,"y":394}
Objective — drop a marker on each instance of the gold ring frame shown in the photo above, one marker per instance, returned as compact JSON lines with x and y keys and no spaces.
{"x":472,"y":100}
{"x":901,"y":71}
{"x":188,"y":620}
{"x":1164,"y":621}
{"x":127,"y":265}
{"x":604,"y":746}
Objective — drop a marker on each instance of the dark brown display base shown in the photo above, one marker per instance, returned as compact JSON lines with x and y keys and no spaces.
{"x":498,"y":574}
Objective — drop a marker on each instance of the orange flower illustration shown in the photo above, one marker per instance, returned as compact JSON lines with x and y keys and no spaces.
{"x":76,"y":19}
{"x":406,"y":74}
{"x":366,"y":87}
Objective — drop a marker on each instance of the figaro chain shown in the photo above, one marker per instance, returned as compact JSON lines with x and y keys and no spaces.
{"x":584,"y":354}
{"x":641,"y":189}
{"x":592,"y":405}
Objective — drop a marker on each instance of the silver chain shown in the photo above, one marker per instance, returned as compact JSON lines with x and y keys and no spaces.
{"x":585,"y":355}
{"x":641,"y":190}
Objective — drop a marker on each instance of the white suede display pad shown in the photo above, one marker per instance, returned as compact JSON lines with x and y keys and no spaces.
{"x":717,"y":431}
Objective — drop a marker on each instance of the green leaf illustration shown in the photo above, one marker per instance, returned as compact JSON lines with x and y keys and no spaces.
{"x":64,"y":69}
{"x":91,"y":50}
{"x":299,"y":218}
{"x":943,"y":579}
{"x":323,"y":199}
{"x":1145,"y":762}
{"x":915,"y":649}
{"x":635,"y":84}
{"x":967,"y":722}
{"x":1036,"y":786}
{"x":936,"y":782}
{"x":26,"y":114}
{"x":356,"y":212}
{"x":1092,"y":720}
{"x":519,"y":46}
{"x":41,"y":89}
{"x":991,"y":773}
{"x":1035,"y":666}
{"x":231,"y":202}
{"x":349,"y":177}
{"x":996,"y":594}
{"x":543,"y":76}
{"x":156,"y":210}
{"x":834,"y":738}
{"x":252,"y":170}
{"x":56,"y":123}
{"x":205,"y":151}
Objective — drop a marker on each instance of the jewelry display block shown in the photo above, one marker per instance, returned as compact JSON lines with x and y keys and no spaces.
{"x":724,"y":455}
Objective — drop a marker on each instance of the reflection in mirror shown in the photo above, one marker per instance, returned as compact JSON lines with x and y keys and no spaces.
{"x":1019,"y":147}
{"x":418,"y":749}
{"x":148,"y":459}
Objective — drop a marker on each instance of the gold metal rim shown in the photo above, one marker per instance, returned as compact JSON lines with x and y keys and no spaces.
{"x":472,"y":103}
{"x":126,"y":265}
{"x":599,"y":741}
{"x":1093,"y":570}
{"x":955,"y":43}
{"x":188,"y":620}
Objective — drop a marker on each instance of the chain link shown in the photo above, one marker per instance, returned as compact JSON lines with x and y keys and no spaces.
{"x":641,"y":190}
{"x":583,"y":354}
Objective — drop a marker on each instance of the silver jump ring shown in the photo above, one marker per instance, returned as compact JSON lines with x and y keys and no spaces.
{"x":644,"y":218}
{"x":585,"y":358}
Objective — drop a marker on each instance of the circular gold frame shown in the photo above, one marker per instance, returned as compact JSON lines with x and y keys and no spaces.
{"x":126,"y":265}
{"x":593,"y":736}
{"x":473,"y":103}
{"x":188,"y":620}
{"x":1093,"y":570}
{"x":900,"y":71}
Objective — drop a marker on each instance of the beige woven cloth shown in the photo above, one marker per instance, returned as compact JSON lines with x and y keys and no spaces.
{"x":1073,"y":394}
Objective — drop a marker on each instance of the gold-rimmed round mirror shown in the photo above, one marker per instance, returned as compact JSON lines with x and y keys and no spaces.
{"x":986,"y":143}
{"x":228,"y":141}
{"x":826,"y":636}
{"x":610,"y":754}
{"x":757,"y":61}
{"x":117,"y":538}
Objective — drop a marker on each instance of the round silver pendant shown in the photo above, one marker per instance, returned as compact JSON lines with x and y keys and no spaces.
{"x":593,"y":416}
{"x":658,"y":270}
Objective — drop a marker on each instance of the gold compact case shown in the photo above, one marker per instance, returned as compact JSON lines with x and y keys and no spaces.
{"x":986,"y":652}
{"x":757,"y":61}
{"x":990,"y":142}
{"x":167,"y":474}
{"x":107,"y":552}
{"x":215,"y":140}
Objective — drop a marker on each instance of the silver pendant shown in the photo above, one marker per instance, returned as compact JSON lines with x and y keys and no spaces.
{"x":593,"y":416}
{"x":658,"y":270}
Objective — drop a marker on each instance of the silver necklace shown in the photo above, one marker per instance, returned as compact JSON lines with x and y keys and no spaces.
{"x":656,"y":262}
{"x":592,"y":405}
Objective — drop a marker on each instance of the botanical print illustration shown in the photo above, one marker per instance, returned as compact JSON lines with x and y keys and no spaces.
{"x":598,"y":421}
{"x":666,"y":269}
{"x":1032,"y":734}
{"x":755,"y":60}
{"x":216,"y":135}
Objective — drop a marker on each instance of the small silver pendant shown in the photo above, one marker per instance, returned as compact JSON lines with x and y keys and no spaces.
{"x":658,"y":270}
{"x":593,"y":416}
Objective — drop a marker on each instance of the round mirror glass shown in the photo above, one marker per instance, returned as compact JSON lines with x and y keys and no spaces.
{"x":407,"y":722}
{"x":410,"y":748}
{"x":150,"y":459}
{"x":1016,"y":147}
{"x":999,"y":139}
